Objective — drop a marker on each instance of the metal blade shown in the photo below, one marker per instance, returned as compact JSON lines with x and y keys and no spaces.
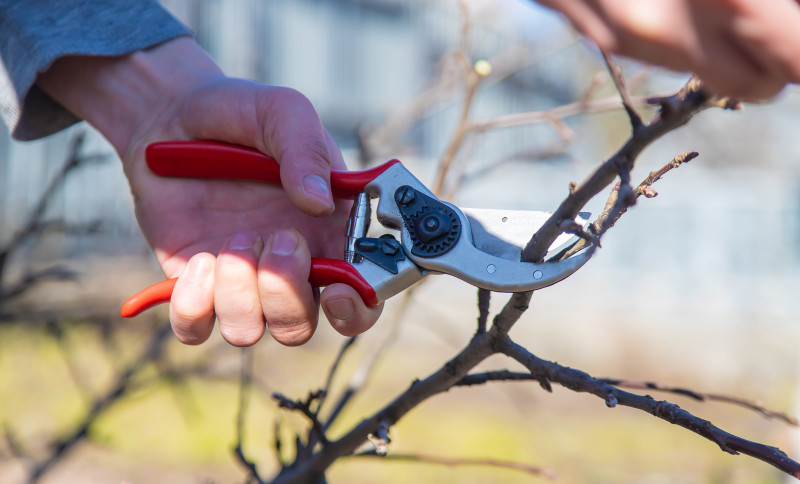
{"x":504,"y":233}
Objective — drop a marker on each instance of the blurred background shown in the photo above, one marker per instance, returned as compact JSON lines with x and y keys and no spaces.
{"x":694,"y":288}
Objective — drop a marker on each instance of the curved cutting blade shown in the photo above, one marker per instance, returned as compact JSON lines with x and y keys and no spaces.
{"x":504,"y":233}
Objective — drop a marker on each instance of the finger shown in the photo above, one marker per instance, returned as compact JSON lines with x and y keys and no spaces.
{"x":646,"y":30}
{"x":191,"y":310}
{"x":588,"y":18}
{"x":770,"y":38}
{"x":236,"y":301}
{"x":279,"y":121}
{"x":289,"y":301}
{"x":345,"y":310}
{"x":295,"y":136}
{"x":729,"y":69}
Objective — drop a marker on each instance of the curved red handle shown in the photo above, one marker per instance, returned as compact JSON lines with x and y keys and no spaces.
{"x":211,"y":159}
{"x":148,"y":297}
{"x":323,"y":273}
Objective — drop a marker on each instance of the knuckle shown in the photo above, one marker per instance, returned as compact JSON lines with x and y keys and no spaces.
{"x":313,"y":148}
{"x":186,"y":314}
{"x":318,"y":147}
{"x":292,"y":333}
{"x":239,"y":309}
{"x":189,"y":338}
{"x":190,"y":331}
{"x":346,"y":329}
{"x":294,"y":97}
{"x":241,"y":336}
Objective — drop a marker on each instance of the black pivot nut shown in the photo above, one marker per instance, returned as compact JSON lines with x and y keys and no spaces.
{"x":433,"y":225}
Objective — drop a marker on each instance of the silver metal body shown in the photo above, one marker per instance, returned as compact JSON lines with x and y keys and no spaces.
{"x":486,"y":255}
{"x":357,"y":225}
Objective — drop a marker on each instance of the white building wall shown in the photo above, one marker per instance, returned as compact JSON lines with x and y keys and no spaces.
{"x":723,"y":235}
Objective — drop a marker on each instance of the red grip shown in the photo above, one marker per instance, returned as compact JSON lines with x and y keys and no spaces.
{"x":148,"y":297}
{"x":323,"y":273}
{"x":211,"y":159}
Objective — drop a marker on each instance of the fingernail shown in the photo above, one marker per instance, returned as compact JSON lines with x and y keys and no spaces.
{"x":341,"y":308}
{"x":317,"y":187}
{"x":284,"y":243}
{"x":198,"y":270}
{"x":243,"y":239}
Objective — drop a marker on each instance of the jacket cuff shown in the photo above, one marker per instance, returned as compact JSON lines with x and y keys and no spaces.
{"x":37,"y":33}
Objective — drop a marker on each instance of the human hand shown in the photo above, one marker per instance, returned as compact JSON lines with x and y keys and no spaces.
{"x":742,"y":48}
{"x":241,"y":250}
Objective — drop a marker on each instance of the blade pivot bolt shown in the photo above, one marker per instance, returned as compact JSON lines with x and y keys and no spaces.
{"x":405,"y":195}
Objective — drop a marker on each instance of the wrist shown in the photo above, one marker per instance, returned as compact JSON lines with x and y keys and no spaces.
{"x":126,"y":95}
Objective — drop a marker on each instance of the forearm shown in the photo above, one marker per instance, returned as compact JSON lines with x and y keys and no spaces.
{"x":122,"y":95}
{"x":35,"y":33}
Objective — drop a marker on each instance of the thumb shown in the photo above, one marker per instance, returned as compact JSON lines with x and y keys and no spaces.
{"x":278,"y":121}
{"x":294,"y":135}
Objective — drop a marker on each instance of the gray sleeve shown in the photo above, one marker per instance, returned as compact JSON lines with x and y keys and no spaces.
{"x":34,"y":33}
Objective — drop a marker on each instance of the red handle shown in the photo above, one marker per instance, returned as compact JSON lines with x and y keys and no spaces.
{"x":211,"y":159}
{"x":323,"y":273}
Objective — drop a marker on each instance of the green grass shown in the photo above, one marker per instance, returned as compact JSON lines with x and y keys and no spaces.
{"x":190,"y":426}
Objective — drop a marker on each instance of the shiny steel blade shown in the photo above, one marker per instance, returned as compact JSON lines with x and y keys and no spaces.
{"x":504,"y":233}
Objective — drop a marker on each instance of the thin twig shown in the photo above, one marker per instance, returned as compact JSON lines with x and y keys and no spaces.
{"x":32,"y":224}
{"x":473,"y":80}
{"x":245,"y":384}
{"x":325,"y":391}
{"x":369,"y":362}
{"x":619,"y":82}
{"x":535,"y":471}
{"x":614,"y":208}
{"x":553,"y":150}
{"x":578,"y":108}
{"x":33,"y":279}
{"x":691,"y":100}
{"x":349,"y":342}
{"x":304,"y":407}
{"x":443,"y":93}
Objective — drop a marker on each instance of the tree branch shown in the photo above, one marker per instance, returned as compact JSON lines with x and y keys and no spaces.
{"x":703,"y":397}
{"x":441,"y":380}
{"x":502,"y":375}
{"x":153,"y":350}
{"x":484,"y":299}
{"x":615,"y":207}
{"x":74,"y":160}
{"x":579,"y":381}
{"x":688,"y":102}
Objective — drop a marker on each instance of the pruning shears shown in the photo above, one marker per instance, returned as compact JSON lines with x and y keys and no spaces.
{"x":481,"y":247}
